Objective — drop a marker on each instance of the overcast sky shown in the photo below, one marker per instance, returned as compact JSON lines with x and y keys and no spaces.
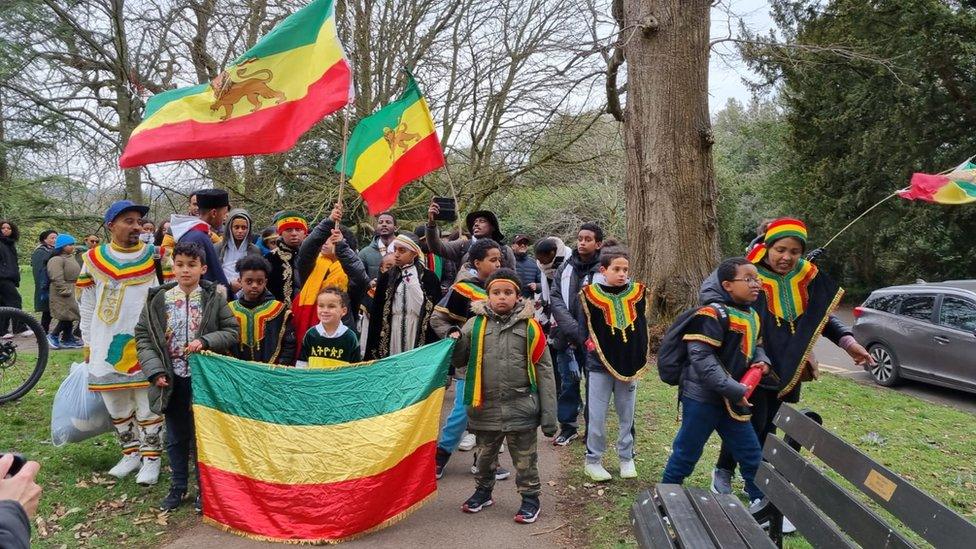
{"x":726,"y":72}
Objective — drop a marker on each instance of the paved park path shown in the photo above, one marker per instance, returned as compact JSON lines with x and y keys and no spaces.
{"x":440,"y":523}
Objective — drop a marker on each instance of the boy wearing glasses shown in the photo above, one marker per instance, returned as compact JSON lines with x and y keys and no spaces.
{"x":722,"y":339}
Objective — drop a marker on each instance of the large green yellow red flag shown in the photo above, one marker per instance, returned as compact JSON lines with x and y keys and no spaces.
{"x":391,"y":148}
{"x":317,"y":455}
{"x":260,"y":104}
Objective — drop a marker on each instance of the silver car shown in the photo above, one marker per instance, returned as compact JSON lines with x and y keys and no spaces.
{"x":924,"y":331}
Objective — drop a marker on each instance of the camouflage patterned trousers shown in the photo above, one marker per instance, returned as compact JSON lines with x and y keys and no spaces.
{"x":525,"y":458}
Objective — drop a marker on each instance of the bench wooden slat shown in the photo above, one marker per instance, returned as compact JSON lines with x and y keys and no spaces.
{"x":856,"y":519}
{"x":814,"y":526}
{"x":648,"y":527}
{"x":716,"y":522}
{"x":747,"y":527}
{"x":936,"y":523}
{"x":684,"y":520}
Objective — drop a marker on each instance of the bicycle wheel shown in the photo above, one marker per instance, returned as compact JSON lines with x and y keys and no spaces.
{"x":22,"y":359}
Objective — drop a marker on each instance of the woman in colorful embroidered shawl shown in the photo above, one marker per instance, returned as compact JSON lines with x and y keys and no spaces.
{"x":795,"y":308}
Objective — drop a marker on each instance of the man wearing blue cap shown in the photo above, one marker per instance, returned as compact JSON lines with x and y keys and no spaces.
{"x":114,"y":283}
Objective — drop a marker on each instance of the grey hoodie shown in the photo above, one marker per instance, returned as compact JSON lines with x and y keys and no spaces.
{"x":227,"y":245}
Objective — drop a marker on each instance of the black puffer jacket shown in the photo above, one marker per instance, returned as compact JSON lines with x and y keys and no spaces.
{"x":566,"y":306}
{"x":705,"y":379}
{"x":9,"y":270}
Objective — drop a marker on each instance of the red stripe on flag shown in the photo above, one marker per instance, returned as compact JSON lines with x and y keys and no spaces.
{"x":270,"y":130}
{"x":423,"y":158}
{"x":317,"y":512}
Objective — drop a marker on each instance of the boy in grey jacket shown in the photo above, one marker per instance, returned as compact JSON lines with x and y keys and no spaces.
{"x":182,"y":317}
{"x":509,"y":389}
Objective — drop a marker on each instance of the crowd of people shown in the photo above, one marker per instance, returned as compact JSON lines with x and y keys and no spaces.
{"x":529,"y":329}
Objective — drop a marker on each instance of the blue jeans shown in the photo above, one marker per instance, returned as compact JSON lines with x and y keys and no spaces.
{"x":568,"y":403}
{"x":698,"y":421}
{"x":456,"y":423}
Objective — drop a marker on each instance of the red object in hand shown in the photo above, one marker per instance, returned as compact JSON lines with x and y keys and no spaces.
{"x":751,"y":379}
{"x":590,"y":346}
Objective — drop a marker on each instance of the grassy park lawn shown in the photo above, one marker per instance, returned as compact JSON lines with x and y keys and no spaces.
{"x":81,"y":506}
{"x":930,"y":445}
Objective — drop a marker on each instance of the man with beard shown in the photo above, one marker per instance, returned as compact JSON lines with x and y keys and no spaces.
{"x":481,"y":224}
{"x":372,"y":254}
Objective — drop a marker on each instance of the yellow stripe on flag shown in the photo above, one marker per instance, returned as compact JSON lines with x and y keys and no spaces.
{"x":294,"y":71}
{"x":299,"y":454}
{"x":376,"y":160}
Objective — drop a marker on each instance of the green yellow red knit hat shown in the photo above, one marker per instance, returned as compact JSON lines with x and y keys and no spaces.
{"x":780,"y":228}
{"x":289,"y":219}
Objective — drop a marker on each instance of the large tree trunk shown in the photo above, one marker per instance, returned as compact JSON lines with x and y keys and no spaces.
{"x":670,"y":183}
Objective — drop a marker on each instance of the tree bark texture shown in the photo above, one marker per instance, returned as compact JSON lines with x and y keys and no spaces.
{"x":670,"y":185}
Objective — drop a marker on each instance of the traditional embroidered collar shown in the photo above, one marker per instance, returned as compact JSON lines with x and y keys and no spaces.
{"x":619,"y":309}
{"x":253,"y":321}
{"x":747,"y":324}
{"x":786,"y":295}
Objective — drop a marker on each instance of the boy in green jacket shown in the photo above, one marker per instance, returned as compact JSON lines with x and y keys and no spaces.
{"x":509,"y":389}
{"x":182,"y":317}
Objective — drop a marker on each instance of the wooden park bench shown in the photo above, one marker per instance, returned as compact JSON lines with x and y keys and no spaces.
{"x":823,"y":511}
{"x":827,"y":514}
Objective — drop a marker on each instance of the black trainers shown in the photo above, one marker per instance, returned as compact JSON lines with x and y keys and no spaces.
{"x":172,"y":500}
{"x":480,"y":499}
{"x":440,"y":461}
{"x":565,"y":436}
{"x":529,"y":511}
{"x":198,"y":505}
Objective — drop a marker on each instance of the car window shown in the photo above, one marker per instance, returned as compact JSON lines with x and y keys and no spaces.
{"x":885,"y":302}
{"x":918,"y":307}
{"x":958,"y":313}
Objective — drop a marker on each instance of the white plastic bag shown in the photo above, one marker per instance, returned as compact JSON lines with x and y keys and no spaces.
{"x":78,"y":413}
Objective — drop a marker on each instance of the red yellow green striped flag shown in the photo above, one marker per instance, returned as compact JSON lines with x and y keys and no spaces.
{"x":317,"y":456}
{"x":261,"y":104}
{"x":391,"y":148}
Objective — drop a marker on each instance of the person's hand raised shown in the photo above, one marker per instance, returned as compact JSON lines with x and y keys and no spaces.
{"x":432,"y":211}
{"x":336,"y":214}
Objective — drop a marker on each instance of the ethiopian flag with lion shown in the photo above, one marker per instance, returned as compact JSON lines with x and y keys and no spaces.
{"x":261,"y":104}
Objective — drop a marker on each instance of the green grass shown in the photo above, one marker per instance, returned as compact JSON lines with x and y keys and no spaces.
{"x":81,"y":506}
{"x":931,"y":446}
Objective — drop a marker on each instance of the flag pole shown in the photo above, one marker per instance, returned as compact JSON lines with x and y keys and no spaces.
{"x":345,"y":142}
{"x":858,"y":218}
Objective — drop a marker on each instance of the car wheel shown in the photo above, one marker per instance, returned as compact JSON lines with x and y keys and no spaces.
{"x":886,"y":371}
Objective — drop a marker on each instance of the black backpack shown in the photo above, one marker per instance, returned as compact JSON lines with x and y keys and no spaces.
{"x":672,"y":355}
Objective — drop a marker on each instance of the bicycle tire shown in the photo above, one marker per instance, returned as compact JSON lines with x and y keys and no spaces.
{"x":17,"y":315}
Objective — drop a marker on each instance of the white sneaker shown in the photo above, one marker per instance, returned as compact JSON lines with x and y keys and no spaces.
{"x":26,"y":333}
{"x":8,"y":335}
{"x":596,"y":472}
{"x":129,"y":464}
{"x":628,"y":469}
{"x":149,"y":472}
{"x":467,"y":442}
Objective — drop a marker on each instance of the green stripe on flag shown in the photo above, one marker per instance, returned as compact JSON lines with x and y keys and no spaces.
{"x":370,"y":129}
{"x":298,"y":29}
{"x":283,"y":395}
{"x":967,"y":187}
{"x":159,"y":100}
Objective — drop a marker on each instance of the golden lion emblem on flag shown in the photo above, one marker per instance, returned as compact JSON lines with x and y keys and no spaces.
{"x":399,"y":138}
{"x":227,"y":92}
